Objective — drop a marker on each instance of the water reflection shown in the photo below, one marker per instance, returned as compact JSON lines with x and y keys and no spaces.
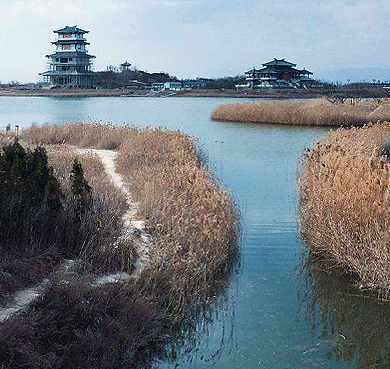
{"x":209,"y":333}
{"x":355,"y":326}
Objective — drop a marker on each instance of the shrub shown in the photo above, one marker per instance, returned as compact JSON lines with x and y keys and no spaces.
{"x":30,"y":198}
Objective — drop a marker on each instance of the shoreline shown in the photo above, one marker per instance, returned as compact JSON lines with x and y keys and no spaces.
{"x":179,"y":274}
{"x":312,"y":93}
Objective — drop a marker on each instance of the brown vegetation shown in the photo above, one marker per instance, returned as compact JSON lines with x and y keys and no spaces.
{"x":98,"y":136}
{"x":309,"y":113}
{"x":192,"y":219}
{"x":194,"y":230}
{"x":345,"y":201}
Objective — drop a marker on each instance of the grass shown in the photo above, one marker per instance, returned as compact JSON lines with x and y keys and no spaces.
{"x":345,"y":201}
{"x":309,"y":113}
{"x":194,"y":229}
{"x":191,"y":218}
{"x":96,"y":135}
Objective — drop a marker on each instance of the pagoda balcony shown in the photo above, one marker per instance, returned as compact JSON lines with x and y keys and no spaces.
{"x":65,"y":73}
{"x":72,"y":38}
{"x":269,"y":78}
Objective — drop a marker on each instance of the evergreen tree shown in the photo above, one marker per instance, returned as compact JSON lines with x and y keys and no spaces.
{"x":30,"y":196}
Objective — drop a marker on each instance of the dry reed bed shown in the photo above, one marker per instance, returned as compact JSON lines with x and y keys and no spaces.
{"x":345,"y":202}
{"x":309,"y":113}
{"x":192,"y":219}
{"x":93,"y":135}
{"x":194,"y":229}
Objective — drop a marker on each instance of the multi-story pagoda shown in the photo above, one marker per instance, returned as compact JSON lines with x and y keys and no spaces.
{"x":278,"y":73}
{"x":70,"y":65}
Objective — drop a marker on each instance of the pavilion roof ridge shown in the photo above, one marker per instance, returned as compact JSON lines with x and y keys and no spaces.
{"x":71,"y":29}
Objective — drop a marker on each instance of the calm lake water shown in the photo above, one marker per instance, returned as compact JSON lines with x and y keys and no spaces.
{"x":278,"y":317}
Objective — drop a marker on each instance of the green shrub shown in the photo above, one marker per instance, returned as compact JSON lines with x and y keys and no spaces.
{"x":34,"y":212}
{"x":30,"y":198}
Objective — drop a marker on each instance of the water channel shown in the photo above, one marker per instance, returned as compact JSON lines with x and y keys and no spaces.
{"x":280,"y":317}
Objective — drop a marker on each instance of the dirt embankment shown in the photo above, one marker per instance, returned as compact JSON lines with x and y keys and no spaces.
{"x":311,"y":93}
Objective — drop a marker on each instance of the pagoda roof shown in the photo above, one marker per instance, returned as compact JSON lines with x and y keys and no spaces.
{"x":126,"y":64}
{"x":279,"y":62}
{"x":271,"y":70}
{"x":70,"y":54}
{"x":305,"y":79}
{"x":66,"y":41}
{"x":73,"y":29}
{"x":305,"y":71}
{"x":254,"y":70}
{"x":267,"y":70}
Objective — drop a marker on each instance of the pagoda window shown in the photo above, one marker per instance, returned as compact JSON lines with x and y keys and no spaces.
{"x":64,"y":60}
{"x":57,"y":59}
{"x":65,"y":47}
{"x":67,"y":35}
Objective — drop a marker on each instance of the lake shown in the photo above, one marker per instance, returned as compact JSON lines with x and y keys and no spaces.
{"x":276,"y":315}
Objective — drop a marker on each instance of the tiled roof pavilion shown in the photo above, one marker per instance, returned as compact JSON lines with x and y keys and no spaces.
{"x":73,"y":29}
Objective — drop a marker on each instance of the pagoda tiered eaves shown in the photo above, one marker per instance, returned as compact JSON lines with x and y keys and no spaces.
{"x":73,"y":29}
{"x":278,"y":73}
{"x":70,"y":65}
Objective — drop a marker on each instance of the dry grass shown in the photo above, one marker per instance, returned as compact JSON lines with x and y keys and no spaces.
{"x":345,"y":201}
{"x":194,"y":229}
{"x":96,"y":135}
{"x":310,"y":113}
{"x":192,"y":219}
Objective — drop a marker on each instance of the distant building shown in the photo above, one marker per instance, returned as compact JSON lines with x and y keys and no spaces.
{"x":278,"y":73}
{"x":70,"y":65}
{"x":167,"y":86}
{"x":125,"y":66}
{"x":193,"y":84}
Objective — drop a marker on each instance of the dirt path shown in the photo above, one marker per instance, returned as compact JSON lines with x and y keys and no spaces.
{"x":133,"y":228}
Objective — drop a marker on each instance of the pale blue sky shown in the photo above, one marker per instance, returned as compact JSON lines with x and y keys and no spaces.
{"x":191,"y":38}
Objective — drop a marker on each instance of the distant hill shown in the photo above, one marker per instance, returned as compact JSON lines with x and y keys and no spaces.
{"x":355,"y":75}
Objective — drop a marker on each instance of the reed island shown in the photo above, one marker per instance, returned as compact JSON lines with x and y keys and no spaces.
{"x":320,"y":112}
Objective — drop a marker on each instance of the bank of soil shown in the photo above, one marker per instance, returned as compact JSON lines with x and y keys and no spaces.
{"x":310,"y":93}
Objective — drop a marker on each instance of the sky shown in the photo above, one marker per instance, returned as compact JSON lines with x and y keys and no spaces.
{"x":199,"y":38}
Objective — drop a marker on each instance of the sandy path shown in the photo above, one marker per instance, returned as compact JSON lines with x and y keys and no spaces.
{"x":133,"y":228}
{"x":22,"y":299}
